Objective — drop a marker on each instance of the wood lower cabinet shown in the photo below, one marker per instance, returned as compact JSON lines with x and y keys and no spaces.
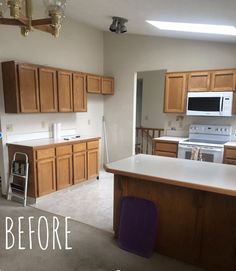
{"x":46,"y":176}
{"x":54,"y":167}
{"x":48,"y":90}
{"x":230,"y":155}
{"x":28,"y":88}
{"x":175,"y":93}
{"x":165,"y":148}
{"x":80,"y":162}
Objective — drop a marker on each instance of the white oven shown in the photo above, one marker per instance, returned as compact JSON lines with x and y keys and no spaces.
{"x":206,"y":153}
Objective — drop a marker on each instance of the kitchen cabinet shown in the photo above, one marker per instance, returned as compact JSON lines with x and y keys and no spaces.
{"x":175,"y":93}
{"x":54,"y":166}
{"x":64,"y":166}
{"x":79,"y":92}
{"x":65,"y":94}
{"x":80,"y":162}
{"x":94,"y":83}
{"x":107,"y":85}
{"x":93,"y":160}
{"x":165,"y":148}
{"x":199,"y":81}
{"x":46,"y":171}
{"x":48,"y":90}
{"x":28,"y":88}
{"x":230,"y":155}
{"x":224,"y":80}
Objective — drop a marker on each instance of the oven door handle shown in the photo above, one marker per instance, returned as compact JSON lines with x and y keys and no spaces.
{"x":213,"y":149}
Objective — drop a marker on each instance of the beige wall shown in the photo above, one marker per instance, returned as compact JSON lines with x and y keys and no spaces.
{"x":125,"y":55}
{"x":79,"y":47}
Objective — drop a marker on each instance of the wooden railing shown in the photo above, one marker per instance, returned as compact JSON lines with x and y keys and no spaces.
{"x":144,"y":137}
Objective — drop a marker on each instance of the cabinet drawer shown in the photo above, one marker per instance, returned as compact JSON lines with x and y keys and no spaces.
{"x":230,"y":161}
{"x":79,"y":147}
{"x":46,"y":153}
{"x":166,"y":147}
{"x":167,"y":154}
{"x":230,"y":153}
{"x":92,"y":145}
{"x":63,"y":150}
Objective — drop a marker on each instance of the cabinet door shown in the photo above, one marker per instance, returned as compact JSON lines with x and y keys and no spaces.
{"x":80,"y":167}
{"x":79,"y":92}
{"x":93,"y":163}
{"x":175,"y":93}
{"x":199,"y":81}
{"x":46,"y":176}
{"x":223,"y":80}
{"x":48,"y":90}
{"x":93,"y":84}
{"x":108,"y":85}
{"x":219,"y":232}
{"x":65,"y":95}
{"x":64,"y":171}
{"x":28,"y":88}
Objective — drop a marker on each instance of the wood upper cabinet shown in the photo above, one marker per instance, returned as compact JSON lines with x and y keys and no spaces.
{"x":28,"y":88}
{"x":93,"y":159}
{"x":64,"y":166}
{"x":199,"y":81}
{"x":46,"y":171}
{"x":175,"y":93}
{"x":107,"y":85}
{"x":65,"y":93}
{"x":94,"y":84}
{"x":48,"y":90}
{"x":79,"y":92}
{"x":79,"y":162}
{"x":224,"y":80}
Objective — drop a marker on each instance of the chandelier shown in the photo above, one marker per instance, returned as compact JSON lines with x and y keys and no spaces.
{"x":21,"y":15}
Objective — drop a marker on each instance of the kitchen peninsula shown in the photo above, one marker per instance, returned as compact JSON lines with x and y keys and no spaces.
{"x":196,"y":202}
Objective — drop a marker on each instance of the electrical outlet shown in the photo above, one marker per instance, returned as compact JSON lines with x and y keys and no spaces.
{"x":9,"y":128}
{"x":89,"y":121}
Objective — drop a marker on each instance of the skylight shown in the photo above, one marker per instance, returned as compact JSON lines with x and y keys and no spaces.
{"x":195,"y":28}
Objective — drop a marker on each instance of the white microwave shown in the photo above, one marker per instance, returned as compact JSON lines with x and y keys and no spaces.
{"x":209,"y":104}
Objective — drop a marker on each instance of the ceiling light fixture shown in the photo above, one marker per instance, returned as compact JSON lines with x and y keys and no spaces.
{"x":118,"y":25}
{"x":195,"y":28}
{"x":21,"y":13}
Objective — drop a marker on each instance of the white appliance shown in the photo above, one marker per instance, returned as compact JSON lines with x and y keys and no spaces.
{"x":210,"y":104}
{"x":208,"y":139}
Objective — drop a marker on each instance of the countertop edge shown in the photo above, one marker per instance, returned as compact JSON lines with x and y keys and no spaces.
{"x":183,"y":184}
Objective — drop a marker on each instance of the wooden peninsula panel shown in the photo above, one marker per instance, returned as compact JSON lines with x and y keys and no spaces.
{"x":194,"y":225}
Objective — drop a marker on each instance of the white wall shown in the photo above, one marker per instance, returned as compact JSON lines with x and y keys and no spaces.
{"x":125,"y":55}
{"x":152,"y":100}
{"x":79,"y":47}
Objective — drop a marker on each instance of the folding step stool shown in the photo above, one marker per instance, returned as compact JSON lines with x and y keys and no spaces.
{"x":19,"y":169}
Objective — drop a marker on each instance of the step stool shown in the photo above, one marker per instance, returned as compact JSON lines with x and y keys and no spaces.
{"x":19,"y":169}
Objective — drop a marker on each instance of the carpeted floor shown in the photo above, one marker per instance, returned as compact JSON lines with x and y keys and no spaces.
{"x":93,"y":249}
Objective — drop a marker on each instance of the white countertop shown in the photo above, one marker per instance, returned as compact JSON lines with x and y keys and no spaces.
{"x":231,"y":144}
{"x":212,"y":177}
{"x":51,"y":141}
{"x":171,"y":138}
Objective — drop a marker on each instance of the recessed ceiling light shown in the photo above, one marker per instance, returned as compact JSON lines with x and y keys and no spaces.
{"x":196,"y":28}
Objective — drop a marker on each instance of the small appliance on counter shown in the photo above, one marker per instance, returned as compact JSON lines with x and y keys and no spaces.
{"x":56,"y":129}
{"x":207,"y":140}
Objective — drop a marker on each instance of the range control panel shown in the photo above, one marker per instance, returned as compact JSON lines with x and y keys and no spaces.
{"x":210,"y":129}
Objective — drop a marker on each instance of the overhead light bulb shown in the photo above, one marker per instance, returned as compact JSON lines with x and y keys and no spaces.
{"x":118,"y":25}
{"x":15,"y":7}
{"x":113,"y":25}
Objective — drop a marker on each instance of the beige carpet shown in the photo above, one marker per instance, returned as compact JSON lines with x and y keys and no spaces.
{"x":93,"y":249}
